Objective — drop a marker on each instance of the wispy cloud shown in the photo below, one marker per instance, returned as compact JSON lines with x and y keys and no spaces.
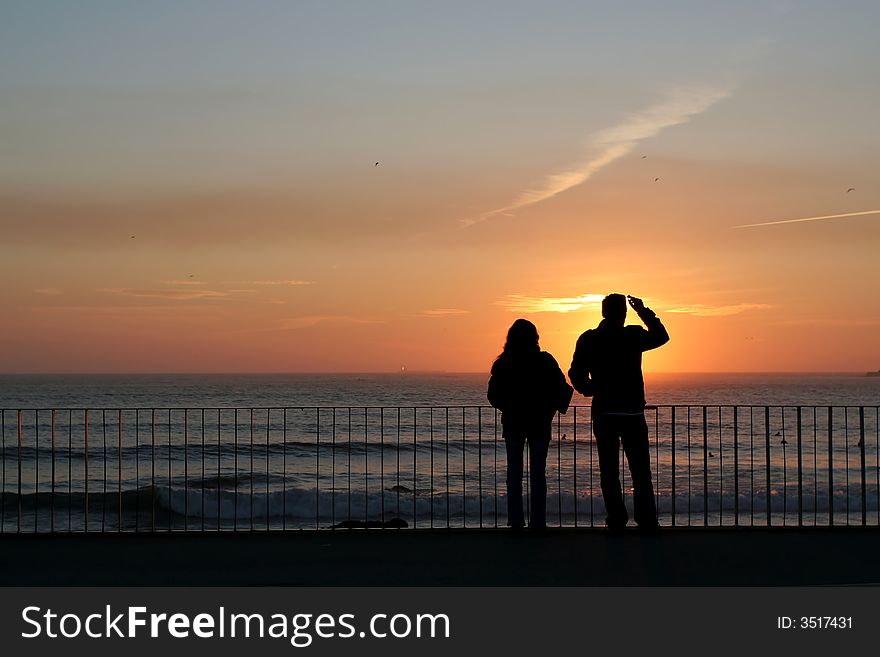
{"x":702,"y":310}
{"x":613,"y":143}
{"x":291,"y":283}
{"x":805,"y":219}
{"x":188,"y":281}
{"x":829,"y":321}
{"x":444,"y":312}
{"x":539,"y":304}
{"x":306,"y":321}
{"x":48,"y":291}
{"x":529,"y":304}
{"x":179,"y":295}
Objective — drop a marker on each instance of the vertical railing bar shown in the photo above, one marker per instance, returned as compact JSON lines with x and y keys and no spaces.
{"x":800,"y":476}
{"x":119,"y":473}
{"x":349,"y":464}
{"x":447,"y":467}
{"x":689,"y":466}
{"x":252,"y":472}
{"x":219,"y":471}
{"x":317,"y":468}
{"x":86,"y":459}
{"x":366,"y":470}
{"x":720,"y":470}
{"x":495,"y":467}
{"x":846,"y":457}
{"x":830,"y":467}
{"x":751,"y":466}
{"x":137,"y":470}
{"x":705,"y":467}
{"x":480,"y":461}
{"x":592,"y":444}
{"x":37,"y":468}
{"x":864,"y":499}
{"x":463,"y":474}
{"x":52,"y":494}
{"x":382,"y":463}
{"x":574,"y":445}
{"x":784,"y":470}
{"x":203,"y":471}
{"x":397,"y":489}
{"x":235,"y":473}
{"x":69,"y":469}
{"x":415,"y":470}
{"x":767,"y":461}
{"x":877,"y":457}
{"x":333,"y":472}
{"x":559,"y":468}
{"x":3,"y":489}
{"x":431,"y":438}
{"x":170,"y":498}
{"x":736,"y":466}
{"x":152,"y":469}
{"x":674,"y":471}
{"x":86,"y":463}
{"x":657,"y":451}
{"x":170,"y":474}
{"x":268,"y":437}
{"x":284,"y":468}
{"x":104,"y":469}
{"x":185,"y":469}
{"x":815,"y":467}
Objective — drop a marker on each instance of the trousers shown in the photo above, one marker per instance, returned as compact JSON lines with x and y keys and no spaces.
{"x":538,"y":438}
{"x":632,"y":431}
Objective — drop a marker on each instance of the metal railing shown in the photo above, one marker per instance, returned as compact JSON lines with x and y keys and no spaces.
{"x":270,"y":469}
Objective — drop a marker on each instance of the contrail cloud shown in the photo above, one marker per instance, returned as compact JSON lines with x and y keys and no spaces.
{"x":613,"y":143}
{"x":805,"y":219}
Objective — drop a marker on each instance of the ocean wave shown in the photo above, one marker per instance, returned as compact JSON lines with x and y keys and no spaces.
{"x":191,"y":507}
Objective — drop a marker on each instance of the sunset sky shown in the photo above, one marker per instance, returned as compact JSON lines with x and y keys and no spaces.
{"x":192,"y":186}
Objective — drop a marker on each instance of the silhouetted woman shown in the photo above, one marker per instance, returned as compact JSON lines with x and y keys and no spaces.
{"x":528,"y":388}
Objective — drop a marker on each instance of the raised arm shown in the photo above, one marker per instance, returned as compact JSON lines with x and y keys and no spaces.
{"x":656,"y":335}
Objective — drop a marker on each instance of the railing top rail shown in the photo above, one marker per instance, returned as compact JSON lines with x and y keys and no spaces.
{"x":312,"y":407}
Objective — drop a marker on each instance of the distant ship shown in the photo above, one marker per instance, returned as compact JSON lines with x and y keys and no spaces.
{"x":877,"y":373}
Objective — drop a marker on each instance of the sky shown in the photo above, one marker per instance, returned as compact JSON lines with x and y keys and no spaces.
{"x":347,"y":186}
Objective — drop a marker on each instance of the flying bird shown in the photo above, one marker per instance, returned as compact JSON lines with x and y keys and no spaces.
{"x":644,"y":157}
{"x":656,"y":179}
{"x":377,"y":164}
{"x":132,"y":237}
{"x":851,"y":189}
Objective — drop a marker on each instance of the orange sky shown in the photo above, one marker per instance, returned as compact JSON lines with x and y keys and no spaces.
{"x":510,"y":184}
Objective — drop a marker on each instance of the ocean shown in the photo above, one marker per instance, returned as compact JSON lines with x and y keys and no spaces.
{"x":264,"y":452}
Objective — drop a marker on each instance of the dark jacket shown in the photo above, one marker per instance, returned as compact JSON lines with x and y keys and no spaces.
{"x":607,"y":363}
{"x":528,"y":388}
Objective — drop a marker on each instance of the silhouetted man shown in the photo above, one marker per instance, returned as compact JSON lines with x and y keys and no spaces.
{"x":607,"y":364}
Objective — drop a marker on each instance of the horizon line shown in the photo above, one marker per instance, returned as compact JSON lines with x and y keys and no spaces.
{"x":407,"y":372}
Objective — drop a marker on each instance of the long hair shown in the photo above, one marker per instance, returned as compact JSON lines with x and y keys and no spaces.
{"x":522,"y":339}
